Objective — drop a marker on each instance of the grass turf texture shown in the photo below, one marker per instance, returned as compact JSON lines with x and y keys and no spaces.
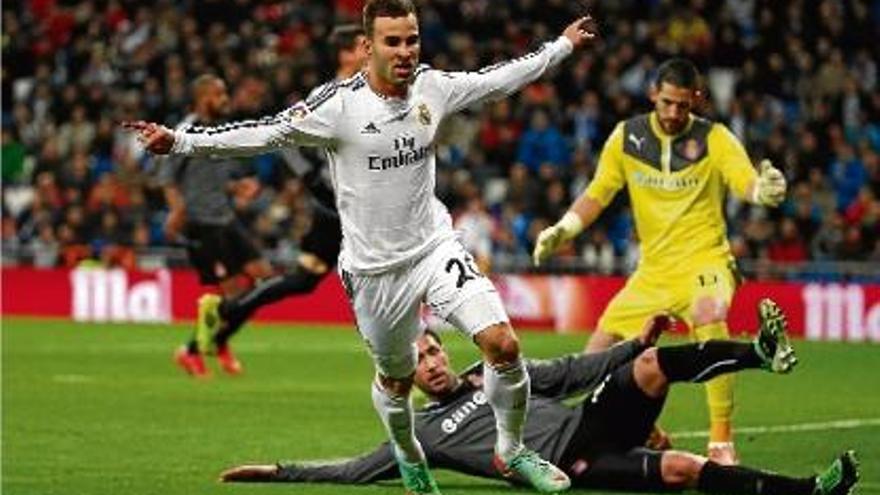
{"x":101,"y":409}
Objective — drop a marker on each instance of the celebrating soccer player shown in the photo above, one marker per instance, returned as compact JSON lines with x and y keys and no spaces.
{"x":677,"y":168}
{"x":399,"y":249}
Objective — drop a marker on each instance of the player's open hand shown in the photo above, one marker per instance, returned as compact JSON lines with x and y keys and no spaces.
{"x":548,"y":242}
{"x":581,"y":31}
{"x":771,"y":186}
{"x":155,"y":138}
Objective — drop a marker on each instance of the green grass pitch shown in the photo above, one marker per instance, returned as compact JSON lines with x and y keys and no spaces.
{"x":101,"y":409}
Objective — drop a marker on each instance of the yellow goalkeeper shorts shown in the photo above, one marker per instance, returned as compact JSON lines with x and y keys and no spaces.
{"x":645,"y":295}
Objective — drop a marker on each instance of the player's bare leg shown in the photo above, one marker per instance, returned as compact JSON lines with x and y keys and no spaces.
{"x":709,"y":321}
{"x":507,"y":387}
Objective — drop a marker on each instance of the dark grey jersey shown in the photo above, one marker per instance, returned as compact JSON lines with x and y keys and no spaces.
{"x":459,"y":433}
{"x":203,"y":182}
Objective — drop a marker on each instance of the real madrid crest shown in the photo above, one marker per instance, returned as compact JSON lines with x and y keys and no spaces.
{"x":298,"y":112}
{"x":424,"y":114}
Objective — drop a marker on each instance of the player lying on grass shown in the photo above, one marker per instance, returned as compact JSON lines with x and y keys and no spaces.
{"x":599,"y":441}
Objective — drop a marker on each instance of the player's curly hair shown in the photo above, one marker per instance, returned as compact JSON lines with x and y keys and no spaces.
{"x":385,"y":8}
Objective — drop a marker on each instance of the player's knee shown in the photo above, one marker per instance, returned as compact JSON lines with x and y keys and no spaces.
{"x":680,"y":469}
{"x":498,"y":343}
{"x":708,"y":310}
{"x":648,"y":375}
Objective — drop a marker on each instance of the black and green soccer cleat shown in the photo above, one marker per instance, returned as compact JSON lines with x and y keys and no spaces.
{"x":772,"y":344}
{"x":840,"y":477}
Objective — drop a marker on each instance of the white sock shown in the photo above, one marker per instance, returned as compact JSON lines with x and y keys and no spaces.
{"x":397,"y":416}
{"x":507,"y":389}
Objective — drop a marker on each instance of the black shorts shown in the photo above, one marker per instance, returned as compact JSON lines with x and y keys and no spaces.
{"x":324,"y":238}
{"x":218,"y":252}
{"x":607,"y":449}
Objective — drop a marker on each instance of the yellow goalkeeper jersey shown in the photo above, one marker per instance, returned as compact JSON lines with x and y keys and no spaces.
{"x":677,"y":186}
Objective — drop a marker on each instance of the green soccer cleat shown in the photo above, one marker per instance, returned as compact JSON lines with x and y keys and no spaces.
{"x":417,"y":478}
{"x":840,"y":477}
{"x":772,"y":344}
{"x":207,"y":323}
{"x":527,"y":466}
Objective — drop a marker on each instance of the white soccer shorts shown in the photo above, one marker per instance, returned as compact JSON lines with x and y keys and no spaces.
{"x":386,"y":306}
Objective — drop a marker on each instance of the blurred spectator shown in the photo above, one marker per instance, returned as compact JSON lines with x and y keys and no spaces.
{"x":13,"y":158}
{"x":542,"y":143}
{"x":598,"y":253}
{"x":789,"y":247}
{"x":848,"y":175}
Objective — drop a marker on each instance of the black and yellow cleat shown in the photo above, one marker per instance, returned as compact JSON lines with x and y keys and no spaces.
{"x":840,"y":478}
{"x":772,"y":343}
{"x":207,"y":322}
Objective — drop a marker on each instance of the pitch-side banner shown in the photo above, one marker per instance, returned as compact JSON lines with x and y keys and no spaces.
{"x":826,"y":311}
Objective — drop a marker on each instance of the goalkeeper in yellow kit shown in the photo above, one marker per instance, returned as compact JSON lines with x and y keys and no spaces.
{"x":677,"y":168}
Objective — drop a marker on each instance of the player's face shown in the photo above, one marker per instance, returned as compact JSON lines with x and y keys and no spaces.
{"x":673,"y":105}
{"x":432,"y":371}
{"x":394,"y":49}
{"x":218,"y":98}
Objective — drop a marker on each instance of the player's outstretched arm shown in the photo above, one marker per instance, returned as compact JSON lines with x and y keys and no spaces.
{"x":369,"y":468}
{"x":303,"y":124}
{"x":495,"y":81}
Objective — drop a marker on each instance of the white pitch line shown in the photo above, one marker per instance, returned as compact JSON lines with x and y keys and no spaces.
{"x":841,"y":424}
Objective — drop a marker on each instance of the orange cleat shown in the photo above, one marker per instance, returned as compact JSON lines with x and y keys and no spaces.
{"x":228,"y":361}
{"x":193,"y":364}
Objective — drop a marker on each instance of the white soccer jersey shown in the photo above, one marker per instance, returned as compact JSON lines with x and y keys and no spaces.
{"x":380,"y":151}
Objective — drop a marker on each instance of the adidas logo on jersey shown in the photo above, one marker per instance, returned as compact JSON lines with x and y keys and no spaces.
{"x":370,"y":129}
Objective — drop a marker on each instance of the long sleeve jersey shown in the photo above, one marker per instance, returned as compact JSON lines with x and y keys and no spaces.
{"x":458,"y":433}
{"x":381,"y":151}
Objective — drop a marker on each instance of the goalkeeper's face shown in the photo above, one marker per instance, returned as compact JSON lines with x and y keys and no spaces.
{"x":433,"y":375}
{"x":394,"y":49}
{"x":673,"y":106}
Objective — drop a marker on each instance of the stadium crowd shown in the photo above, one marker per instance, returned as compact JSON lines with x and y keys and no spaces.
{"x":796,"y":81}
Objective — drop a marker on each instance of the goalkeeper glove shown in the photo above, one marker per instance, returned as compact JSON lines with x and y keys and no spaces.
{"x":552,"y":237}
{"x":770,"y":185}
